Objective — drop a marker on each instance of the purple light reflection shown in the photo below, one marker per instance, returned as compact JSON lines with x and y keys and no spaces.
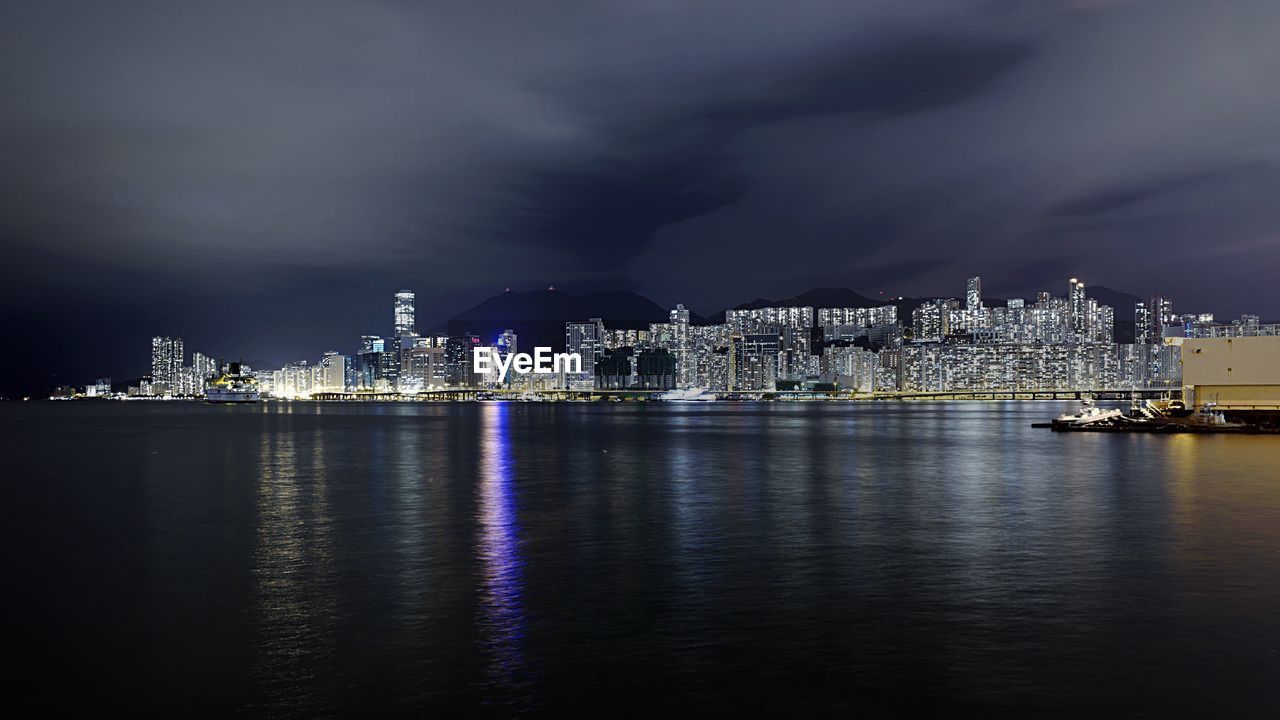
{"x":502,"y":620}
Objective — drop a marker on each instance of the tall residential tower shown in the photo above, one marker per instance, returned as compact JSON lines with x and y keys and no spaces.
{"x":973,"y":294}
{"x":166,"y":363}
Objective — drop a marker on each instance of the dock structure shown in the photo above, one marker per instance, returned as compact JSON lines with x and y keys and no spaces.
{"x":1237,"y":376}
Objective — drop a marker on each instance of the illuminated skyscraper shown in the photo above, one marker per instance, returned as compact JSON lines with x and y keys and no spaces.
{"x":586,"y":339}
{"x":1141,"y":322}
{"x":333,"y":372}
{"x":681,"y":346}
{"x":426,"y":369}
{"x":1161,"y":309}
{"x":204,"y":365}
{"x":166,"y":364}
{"x":1155,"y":363}
{"x":932,"y":320}
{"x":1079,"y":311}
{"x":404,"y":314}
{"x":369,"y":361}
{"x":753,"y":364}
{"x":459,"y":351}
{"x":973,"y":294}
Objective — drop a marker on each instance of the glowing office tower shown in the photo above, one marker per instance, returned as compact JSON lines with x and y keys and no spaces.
{"x":333,"y":372}
{"x":586,"y":339}
{"x":459,"y":353}
{"x":404,"y":314}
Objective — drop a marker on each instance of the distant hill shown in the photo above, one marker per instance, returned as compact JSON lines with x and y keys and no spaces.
{"x":1122,"y":302}
{"x":539,"y":317}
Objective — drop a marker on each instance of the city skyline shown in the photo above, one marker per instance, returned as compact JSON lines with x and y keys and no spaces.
{"x":1060,"y":342}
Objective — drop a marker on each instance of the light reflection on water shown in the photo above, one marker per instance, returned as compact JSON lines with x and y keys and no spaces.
{"x":502,"y":618}
{"x":293,"y":571}
{"x":385,"y":560}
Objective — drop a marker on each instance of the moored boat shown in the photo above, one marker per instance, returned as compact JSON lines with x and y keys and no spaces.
{"x":1089,"y":414}
{"x":688,"y":395}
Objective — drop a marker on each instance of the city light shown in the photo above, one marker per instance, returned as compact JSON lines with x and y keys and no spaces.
{"x":931,"y":345}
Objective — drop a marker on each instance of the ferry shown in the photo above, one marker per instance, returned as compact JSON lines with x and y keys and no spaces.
{"x":688,"y":395}
{"x":232,"y":387}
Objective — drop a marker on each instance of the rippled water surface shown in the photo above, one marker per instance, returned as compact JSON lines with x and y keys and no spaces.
{"x":306,"y":560}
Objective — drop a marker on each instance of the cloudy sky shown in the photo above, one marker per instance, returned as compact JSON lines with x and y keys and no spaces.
{"x":259,"y":177}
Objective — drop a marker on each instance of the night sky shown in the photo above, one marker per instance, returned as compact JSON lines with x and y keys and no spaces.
{"x":259,"y":178}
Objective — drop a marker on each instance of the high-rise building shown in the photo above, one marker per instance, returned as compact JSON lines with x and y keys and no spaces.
{"x":426,"y":369}
{"x":861,"y":317}
{"x":333,"y":372}
{"x":294,"y":380}
{"x":853,"y":367}
{"x":1079,"y":311}
{"x":586,"y":339}
{"x":404,"y":321}
{"x":504,"y":345}
{"x":369,"y":362}
{"x":681,"y":346}
{"x":768,"y":319}
{"x":753,"y":362}
{"x":614,"y":369}
{"x":655,"y":369}
{"x":1161,"y":310}
{"x":507,"y":343}
{"x":458,"y":352}
{"x":614,"y":339}
{"x":1153,"y":362}
{"x":1142,"y":327}
{"x":389,"y":363}
{"x":973,"y":294}
{"x":166,"y":364}
{"x":205,"y":366}
{"x":932,"y":320}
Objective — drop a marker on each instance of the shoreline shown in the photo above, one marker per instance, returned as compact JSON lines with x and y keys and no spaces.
{"x":586,"y":397}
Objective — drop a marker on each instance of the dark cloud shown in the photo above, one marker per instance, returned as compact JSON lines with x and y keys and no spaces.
{"x":656,"y":171}
{"x":263,"y":175}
